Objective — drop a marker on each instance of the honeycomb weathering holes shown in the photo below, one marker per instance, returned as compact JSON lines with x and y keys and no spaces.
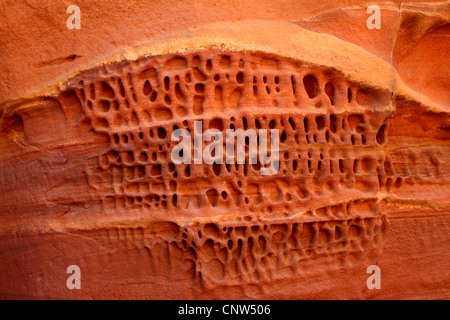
{"x":329,"y":141}
{"x":246,"y":252}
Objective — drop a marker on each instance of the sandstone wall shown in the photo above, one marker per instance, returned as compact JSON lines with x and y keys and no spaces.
{"x":87,"y":115}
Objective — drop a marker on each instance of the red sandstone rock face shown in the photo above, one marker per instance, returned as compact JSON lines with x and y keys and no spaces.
{"x":87,"y":177}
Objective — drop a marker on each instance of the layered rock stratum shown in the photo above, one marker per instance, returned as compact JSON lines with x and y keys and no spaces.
{"x":87,"y":179}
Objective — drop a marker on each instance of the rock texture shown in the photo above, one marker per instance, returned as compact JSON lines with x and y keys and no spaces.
{"x":363,"y":115}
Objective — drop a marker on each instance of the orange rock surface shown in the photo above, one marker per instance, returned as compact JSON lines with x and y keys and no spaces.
{"x":87,"y":115}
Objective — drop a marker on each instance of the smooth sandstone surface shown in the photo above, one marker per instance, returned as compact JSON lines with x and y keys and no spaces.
{"x":86,"y":176}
